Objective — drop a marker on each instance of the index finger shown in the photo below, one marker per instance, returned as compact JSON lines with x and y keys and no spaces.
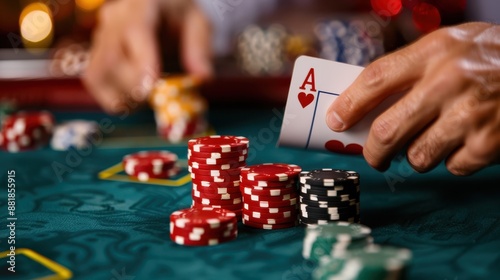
{"x":386,"y":76}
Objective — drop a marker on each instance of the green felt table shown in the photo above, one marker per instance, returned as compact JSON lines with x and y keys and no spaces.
{"x":79,"y":216}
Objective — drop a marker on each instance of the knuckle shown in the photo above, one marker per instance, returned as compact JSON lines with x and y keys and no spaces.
{"x":418,"y":159}
{"x":373,"y":75}
{"x":383,"y":132}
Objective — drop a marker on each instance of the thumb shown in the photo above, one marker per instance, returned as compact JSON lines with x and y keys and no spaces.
{"x":196,"y":43}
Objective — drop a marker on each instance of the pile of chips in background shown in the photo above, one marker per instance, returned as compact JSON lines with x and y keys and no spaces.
{"x":24,"y":131}
{"x":180,"y":111}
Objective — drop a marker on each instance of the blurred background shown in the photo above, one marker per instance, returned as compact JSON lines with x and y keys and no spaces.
{"x":44,"y":45}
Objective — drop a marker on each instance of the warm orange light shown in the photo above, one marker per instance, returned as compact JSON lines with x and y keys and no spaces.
{"x":35,"y":24}
{"x":88,"y":5}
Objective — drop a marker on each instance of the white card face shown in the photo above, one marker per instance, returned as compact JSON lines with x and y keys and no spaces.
{"x":315,"y":84}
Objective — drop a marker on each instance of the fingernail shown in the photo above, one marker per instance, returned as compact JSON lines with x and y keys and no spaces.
{"x":334,"y":122}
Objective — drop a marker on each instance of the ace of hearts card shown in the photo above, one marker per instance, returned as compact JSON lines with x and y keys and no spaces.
{"x":315,"y":84}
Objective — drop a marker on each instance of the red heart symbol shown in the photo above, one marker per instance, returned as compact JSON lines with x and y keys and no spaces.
{"x":338,"y":147}
{"x":305,"y":99}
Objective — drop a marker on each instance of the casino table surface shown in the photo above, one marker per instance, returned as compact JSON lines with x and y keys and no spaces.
{"x":92,"y":222}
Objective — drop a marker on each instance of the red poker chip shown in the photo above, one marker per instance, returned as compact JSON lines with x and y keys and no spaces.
{"x":225,"y":179}
{"x":144,"y":176}
{"x":215,"y":173}
{"x":209,"y":202}
{"x":270,"y":210}
{"x":182,"y":240}
{"x":225,"y":196}
{"x":215,"y":190}
{"x":266,"y":183}
{"x":270,"y":221}
{"x":206,"y":216}
{"x":258,"y":198}
{"x":195,"y":165}
{"x":271,"y":172}
{"x":229,"y":207}
{"x":267,"y":191}
{"x":271,"y":204}
{"x":268,"y":226}
{"x":265,"y":215}
{"x":199,"y":234}
{"x":217,"y":155}
{"x":220,"y":161}
{"x":218,"y":144}
{"x":210,"y":184}
{"x":207,"y":229}
{"x":151,"y":159}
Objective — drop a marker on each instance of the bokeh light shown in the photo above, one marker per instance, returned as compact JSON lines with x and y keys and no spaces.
{"x":387,"y":8}
{"x":89,"y":5}
{"x":426,"y":17}
{"x":35,"y":24}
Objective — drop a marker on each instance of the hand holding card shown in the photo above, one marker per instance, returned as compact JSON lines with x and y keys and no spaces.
{"x":315,"y":84}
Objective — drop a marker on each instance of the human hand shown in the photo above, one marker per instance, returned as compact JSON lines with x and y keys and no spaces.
{"x":451,"y":109}
{"x":124,"y":61}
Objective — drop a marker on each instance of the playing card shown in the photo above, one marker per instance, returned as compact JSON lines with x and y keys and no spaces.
{"x":315,"y":84}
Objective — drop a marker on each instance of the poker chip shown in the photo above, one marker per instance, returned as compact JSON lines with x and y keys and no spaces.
{"x":370,"y":262}
{"x":216,"y":172}
{"x":218,"y":144}
{"x":217,"y":155}
{"x":284,"y":197}
{"x":26,"y":130}
{"x":224,"y":179}
{"x":233,"y":165}
{"x":329,"y":195}
{"x":76,"y":134}
{"x":270,"y":184}
{"x":215,"y":201}
{"x":264,"y":215}
{"x":270,"y":210}
{"x":269,"y":226}
{"x":218,"y":161}
{"x":223,"y":196}
{"x":210,"y":184}
{"x":328,"y":177}
{"x":269,"y":221}
{"x":270,"y":172}
{"x":203,"y":226}
{"x":334,"y":238}
{"x":215,"y":190}
{"x":270,"y":192}
{"x":145,"y":165}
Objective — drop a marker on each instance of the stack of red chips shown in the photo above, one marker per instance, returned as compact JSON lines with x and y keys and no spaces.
{"x":215,"y":162}
{"x":270,"y":195}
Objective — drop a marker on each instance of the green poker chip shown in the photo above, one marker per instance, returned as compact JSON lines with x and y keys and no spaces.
{"x":371,"y":262}
{"x":334,"y":239}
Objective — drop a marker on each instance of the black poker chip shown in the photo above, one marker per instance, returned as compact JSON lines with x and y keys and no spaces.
{"x":343,"y":197}
{"x":332,"y":210}
{"x":329,"y":191}
{"x":324,"y":204}
{"x":329,"y":177}
{"x":311,"y":221}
